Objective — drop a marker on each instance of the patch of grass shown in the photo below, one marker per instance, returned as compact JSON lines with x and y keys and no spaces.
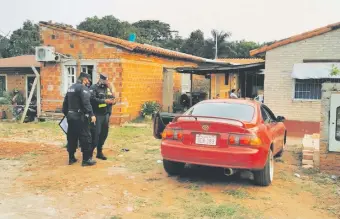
{"x":240,"y":194}
{"x":116,"y":217}
{"x":163,"y":215}
{"x":213,"y":211}
{"x":284,"y":176}
{"x":202,"y":197}
{"x":194,"y":187}
{"x":152,"y":151}
{"x":141,"y":165}
{"x":139,"y":119}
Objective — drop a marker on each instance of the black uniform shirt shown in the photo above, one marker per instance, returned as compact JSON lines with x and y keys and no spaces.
{"x":98,"y":96}
{"x":77,"y":99}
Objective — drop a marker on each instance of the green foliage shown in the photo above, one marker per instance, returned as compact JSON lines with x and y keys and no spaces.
{"x":195,"y":44}
{"x":334,"y":71}
{"x":154,"y":32}
{"x":150,"y":107}
{"x":6,"y":99}
{"x":3,"y":45}
{"x":23,"y":40}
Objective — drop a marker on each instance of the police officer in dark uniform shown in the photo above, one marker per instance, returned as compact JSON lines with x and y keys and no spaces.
{"x":102,"y":100}
{"x":78,"y":110}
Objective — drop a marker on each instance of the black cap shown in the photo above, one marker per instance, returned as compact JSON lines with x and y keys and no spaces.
{"x":103,"y":77}
{"x":85,"y":75}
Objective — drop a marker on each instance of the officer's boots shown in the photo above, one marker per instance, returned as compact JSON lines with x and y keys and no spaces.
{"x":100,"y":155}
{"x":71,"y":159}
{"x":87,"y":160}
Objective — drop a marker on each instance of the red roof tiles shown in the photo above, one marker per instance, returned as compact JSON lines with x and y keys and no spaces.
{"x":296,"y":38}
{"x":132,"y":46}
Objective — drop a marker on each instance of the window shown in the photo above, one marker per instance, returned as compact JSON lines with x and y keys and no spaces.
{"x":337,"y":127}
{"x":71,"y":72}
{"x":267,"y":114}
{"x":2,"y":85}
{"x":240,"y":112}
{"x":88,"y":69}
{"x":310,"y":89}
{"x":226,"y":78}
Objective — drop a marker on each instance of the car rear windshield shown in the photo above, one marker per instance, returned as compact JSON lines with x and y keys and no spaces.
{"x":242,"y":112}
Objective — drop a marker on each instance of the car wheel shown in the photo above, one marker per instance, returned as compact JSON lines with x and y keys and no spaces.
{"x":265,"y":176}
{"x":173,"y":168}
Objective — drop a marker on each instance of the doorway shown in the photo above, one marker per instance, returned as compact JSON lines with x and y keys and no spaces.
{"x":29,"y":85}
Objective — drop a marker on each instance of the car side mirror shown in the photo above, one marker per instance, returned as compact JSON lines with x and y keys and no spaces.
{"x":280,"y":119}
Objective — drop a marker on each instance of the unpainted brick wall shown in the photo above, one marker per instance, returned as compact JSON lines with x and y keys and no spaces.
{"x":15,"y":81}
{"x":279,"y":85}
{"x":329,"y":161}
{"x":137,"y":77}
{"x":143,"y":80}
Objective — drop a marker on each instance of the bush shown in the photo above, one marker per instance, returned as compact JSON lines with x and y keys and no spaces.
{"x":149,"y":108}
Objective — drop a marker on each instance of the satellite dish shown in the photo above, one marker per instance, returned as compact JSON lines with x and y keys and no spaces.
{"x":132,"y":37}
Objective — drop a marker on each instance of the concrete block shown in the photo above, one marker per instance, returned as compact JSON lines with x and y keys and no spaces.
{"x":307,"y":162}
{"x":308,"y":157}
{"x":307,"y":167}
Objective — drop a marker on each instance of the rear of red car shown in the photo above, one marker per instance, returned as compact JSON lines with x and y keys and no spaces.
{"x":217,"y":133}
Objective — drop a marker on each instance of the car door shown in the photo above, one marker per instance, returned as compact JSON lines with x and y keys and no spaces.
{"x":270,"y":123}
{"x":279,"y":130}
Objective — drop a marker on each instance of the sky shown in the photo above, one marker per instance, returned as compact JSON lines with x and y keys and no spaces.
{"x":255,"y":20}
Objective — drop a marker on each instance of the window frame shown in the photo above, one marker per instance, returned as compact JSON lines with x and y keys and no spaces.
{"x":6,"y":81}
{"x":321,"y":81}
{"x":64,"y":83}
{"x":269,"y":114}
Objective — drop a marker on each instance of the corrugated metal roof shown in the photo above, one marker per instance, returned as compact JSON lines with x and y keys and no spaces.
{"x":238,"y":61}
{"x":19,"y":62}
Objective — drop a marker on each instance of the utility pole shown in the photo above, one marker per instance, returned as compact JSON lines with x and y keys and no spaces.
{"x":216,"y":46}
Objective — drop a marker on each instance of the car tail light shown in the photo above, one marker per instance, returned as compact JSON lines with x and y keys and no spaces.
{"x":247,"y":140}
{"x":173,"y":134}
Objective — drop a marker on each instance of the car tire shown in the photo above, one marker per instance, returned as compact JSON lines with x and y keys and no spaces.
{"x":158,"y":127}
{"x":173,"y":168}
{"x":265,"y":176}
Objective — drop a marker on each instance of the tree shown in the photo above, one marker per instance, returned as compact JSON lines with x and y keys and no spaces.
{"x":154,"y":31}
{"x":195,"y":44}
{"x":223,"y":48}
{"x":241,"y":49}
{"x":175,"y":44}
{"x":23,"y":41}
{"x":107,"y":25}
{"x":3,"y":45}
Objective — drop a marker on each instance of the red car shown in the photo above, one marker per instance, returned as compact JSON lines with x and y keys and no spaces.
{"x":232,"y":134}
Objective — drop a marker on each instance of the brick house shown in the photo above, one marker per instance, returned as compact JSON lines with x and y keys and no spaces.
{"x":16,"y":73}
{"x":135,"y":70}
{"x":295,"y":69}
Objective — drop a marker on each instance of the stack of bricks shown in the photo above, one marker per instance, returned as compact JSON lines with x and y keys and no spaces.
{"x":311,"y":145}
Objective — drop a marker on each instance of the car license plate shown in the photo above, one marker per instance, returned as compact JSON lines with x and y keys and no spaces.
{"x":206,"y":139}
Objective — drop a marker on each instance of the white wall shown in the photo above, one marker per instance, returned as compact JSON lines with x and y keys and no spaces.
{"x":279,"y":86}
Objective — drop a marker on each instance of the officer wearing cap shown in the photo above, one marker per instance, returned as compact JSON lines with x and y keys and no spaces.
{"x":102,"y":100}
{"x":78,"y":110}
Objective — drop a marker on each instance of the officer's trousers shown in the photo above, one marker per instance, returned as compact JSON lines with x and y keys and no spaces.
{"x":100,"y":131}
{"x":79,"y":129}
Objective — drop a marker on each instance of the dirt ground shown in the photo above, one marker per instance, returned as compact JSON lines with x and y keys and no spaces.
{"x":36,"y":182}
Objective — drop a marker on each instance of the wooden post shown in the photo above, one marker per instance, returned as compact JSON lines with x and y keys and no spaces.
{"x":191,"y":83}
{"x":28,"y":101}
{"x":37,"y":75}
